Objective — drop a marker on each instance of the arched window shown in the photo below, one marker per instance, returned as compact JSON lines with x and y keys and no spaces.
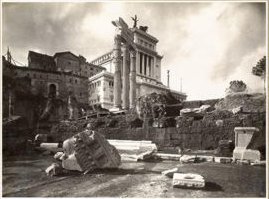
{"x":52,"y":90}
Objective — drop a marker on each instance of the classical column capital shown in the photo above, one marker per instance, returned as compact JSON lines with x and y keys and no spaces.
{"x":133,"y":54}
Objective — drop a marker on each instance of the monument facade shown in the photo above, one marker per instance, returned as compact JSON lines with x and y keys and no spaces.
{"x":135,"y":66}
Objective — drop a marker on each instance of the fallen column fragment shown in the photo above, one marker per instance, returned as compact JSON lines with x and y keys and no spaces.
{"x":89,"y":150}
{"x":165,"y":156}
{"x":131,"y":150}
{"x":170,"y":173}
{"x":84,"y":151}
{"x":259,"y":163}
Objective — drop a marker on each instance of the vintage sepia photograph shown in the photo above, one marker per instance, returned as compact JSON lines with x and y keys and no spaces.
{"x":134,"y":99}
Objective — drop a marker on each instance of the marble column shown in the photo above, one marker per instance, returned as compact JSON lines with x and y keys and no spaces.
{"x":153,"y":67}
{"x":133,"y":79}
{"x":137,"y":61}
{"x":117,"y":74}
{"x":149,"y":66}
{"x":143,"y":65}
{"x":125,"y":77}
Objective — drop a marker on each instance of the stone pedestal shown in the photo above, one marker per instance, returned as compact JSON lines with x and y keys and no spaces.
{"x":243,"y":137}
{"x":117,"y":75}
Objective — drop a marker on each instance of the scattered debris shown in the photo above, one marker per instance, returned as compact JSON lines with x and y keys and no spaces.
{"x":188,"y":180}
{"x":188,"y":159}
{"x":54,"y":170}
{"x":165,"y":156}
{"x":59,"y":155}
{"x":140,"y":157}
{"x":242,"y":162}
{"x":237,"y":110}
{"x":169,"y":173}
{"x":205,"y":158}
{"x":40,"y":138}
{"x":195,"y":112}
{"x":258,"y":163}
{"x":223,"y":160}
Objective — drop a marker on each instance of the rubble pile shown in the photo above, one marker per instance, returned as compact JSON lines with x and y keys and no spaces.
{"x":156,"y":105}
{"x":250,"y":103}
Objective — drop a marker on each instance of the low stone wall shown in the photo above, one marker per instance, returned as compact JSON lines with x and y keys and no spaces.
{"x":189,"y":133}
{"x":194,"y":134}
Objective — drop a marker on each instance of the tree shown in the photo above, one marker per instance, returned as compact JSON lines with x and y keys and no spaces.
{"x":260,"y":69}
{"x":237,"y":86}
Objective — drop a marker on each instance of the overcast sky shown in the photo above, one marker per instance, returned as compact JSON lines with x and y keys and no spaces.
{"x":207,"y":44}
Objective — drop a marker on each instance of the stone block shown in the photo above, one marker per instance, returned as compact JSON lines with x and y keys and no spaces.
{"x":243,"y":137}
{"x":170,"y":173}
{"x":165,"y":156}
{"x":59,"y":155}
{"x":188,"y":159}
{"x":71,"y":163}
{"x":89,"y":150}
{"x":246,"y":154}
{"x":188,"y":180}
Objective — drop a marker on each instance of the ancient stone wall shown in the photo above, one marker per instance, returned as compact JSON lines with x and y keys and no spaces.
{"x":190,"y":134}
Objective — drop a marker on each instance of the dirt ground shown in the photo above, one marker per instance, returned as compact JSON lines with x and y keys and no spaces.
{"x":25,"y":177}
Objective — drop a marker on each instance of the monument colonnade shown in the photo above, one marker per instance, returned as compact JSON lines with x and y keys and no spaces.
{"x":125,"y":90}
